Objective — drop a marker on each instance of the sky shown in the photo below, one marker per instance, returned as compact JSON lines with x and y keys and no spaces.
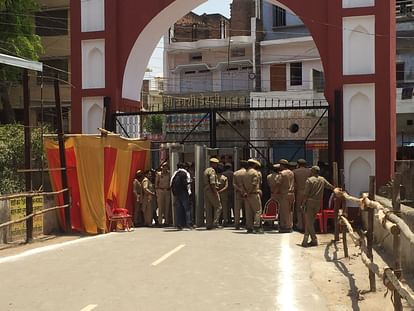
{"x":212,"y":6}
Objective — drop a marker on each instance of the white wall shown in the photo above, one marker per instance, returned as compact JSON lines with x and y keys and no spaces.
{"x":92,"y":114}
{"x":358,"y":166}
{"x":358,"y":3}
{"x":93,"y":64}
{"x":92,"y":15}
{"x":359,"y":112}
{"x":359,"y":45}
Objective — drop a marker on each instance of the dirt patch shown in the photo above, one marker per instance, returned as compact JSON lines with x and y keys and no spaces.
{"x":344,"y":281}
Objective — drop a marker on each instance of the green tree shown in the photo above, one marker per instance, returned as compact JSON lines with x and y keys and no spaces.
{"x":12,"y":156}
{"x":17,"y":38}
{"x":153,"y":124}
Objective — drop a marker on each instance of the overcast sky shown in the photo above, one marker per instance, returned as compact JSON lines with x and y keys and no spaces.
{"x":211,"y":6}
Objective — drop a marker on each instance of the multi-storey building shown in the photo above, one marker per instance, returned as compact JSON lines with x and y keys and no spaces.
{"x":52,"y":25}
{"x":292,"y":68}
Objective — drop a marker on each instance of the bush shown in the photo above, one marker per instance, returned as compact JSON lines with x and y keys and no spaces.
{"x":12,"y":156}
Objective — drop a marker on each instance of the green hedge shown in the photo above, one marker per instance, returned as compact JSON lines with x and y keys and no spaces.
{"x":12,"y":156}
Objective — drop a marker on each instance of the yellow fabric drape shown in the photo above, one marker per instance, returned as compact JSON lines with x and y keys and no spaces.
{"x":90,"y":167}
{"x":120,"y":178}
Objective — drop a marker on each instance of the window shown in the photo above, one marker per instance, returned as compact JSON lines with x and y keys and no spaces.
{"x":195,"y":57}
{"x":318,"y":81}
{"x":52,"y":23}
{"x":279,"y":17}
{"x":400,"y":73}
{"x":295,"y":74}
{"x":52,"y":68}
{"x":238,"y":52}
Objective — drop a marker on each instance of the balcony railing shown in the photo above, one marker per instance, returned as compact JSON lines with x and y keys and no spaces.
{"x":404,"y":8}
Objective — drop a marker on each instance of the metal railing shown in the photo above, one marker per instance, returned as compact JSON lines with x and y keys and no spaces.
{"x":393,"y":224}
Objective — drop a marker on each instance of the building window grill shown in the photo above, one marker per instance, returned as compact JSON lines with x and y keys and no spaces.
{"x":279,"y":17}
{"x":52,"y":23}
{"x":296,"y":74}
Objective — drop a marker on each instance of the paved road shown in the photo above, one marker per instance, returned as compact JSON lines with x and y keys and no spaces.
{"x":161,"y":269}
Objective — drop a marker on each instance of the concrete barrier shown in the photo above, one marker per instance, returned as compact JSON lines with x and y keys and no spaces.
{"x":385,"y":239}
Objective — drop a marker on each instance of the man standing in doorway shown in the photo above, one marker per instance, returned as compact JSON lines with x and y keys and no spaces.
{"x":211,"y":195}
{"x":312,"y":200}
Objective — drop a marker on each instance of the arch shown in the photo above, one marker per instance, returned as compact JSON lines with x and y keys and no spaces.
{"x":95,"y":68}
{"x":150,"y":36}
{"x":359,"y":172}
{"x":94,"y":119}
{"x":359,"y":110}
{"x":147,"y":41}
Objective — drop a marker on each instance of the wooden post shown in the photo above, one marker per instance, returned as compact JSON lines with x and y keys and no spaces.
{"x":370,"y":233}
{"x":344,"y":241}
{"x":335,"y":174}
{"x":396,"y":205}
{"x":62,"y":154}
{"x":27,"y":155}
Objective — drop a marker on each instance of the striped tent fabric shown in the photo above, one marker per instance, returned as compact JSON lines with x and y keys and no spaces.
{"x":99,"y":169}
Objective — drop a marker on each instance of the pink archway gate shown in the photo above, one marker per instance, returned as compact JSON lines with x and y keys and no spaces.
{"x":355,"y":38}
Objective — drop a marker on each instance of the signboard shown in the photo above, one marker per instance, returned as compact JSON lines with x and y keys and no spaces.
{"x":18,"y":211}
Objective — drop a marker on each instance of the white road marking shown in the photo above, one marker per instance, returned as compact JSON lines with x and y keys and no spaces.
{"x":89,"y":308}
{"x":49,"y":248}
{"x":175,"y":250}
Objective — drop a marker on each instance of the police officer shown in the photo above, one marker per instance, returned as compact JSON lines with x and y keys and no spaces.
{"x":211,"y":195}
{"x":239,"y":191}
{"x":286,"y":183}
{"x":302,"y":173}
{"x":252,"y":196}
{"x":312,"y":200}
{"x":228,"y":172}
{"x":272,"y":182}
{"x":137,"y":191}
{"x":148,"y":194}
{"x":162,"y":188}
{"x":223,"y":190}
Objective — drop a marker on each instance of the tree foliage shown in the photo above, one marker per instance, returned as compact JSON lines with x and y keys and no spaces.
{"x":17,"y":38}
{"x":12,"y":156}
{"x":17,"y":34}
{"x":153,"y":124}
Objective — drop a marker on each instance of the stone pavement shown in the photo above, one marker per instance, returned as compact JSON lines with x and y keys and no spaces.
{"x":165,"y":269}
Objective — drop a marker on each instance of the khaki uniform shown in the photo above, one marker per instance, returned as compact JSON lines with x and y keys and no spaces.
{"x":286,"y":182}
{"x":230,"y":193}
{"x":251,"y":183}
{"x":314,"y":188}
{"x":162,"y":187}
{"x":272,"y":181}
{"x":224,"y":197}
{"x":239,"y":205}
{"x":147,"y":200}
{"x":137,"y":191}
{"x":211,"y":199}
{"x":301,"y":175}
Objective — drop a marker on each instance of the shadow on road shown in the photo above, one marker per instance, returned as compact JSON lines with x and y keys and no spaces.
{"x":354,"y":291}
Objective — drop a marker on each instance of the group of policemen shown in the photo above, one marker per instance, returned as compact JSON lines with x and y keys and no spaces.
{"x":297,"y":189}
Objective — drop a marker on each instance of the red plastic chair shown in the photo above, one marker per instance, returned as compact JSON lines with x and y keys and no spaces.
{"x":270,"y":212}
{"x":120,"y":217}
{"x":319,"y":217}
{"x":328,"y":213}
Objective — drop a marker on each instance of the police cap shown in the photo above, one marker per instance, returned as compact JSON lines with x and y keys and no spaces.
{"x":214,"y":160}
{"x":254,"y":161}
